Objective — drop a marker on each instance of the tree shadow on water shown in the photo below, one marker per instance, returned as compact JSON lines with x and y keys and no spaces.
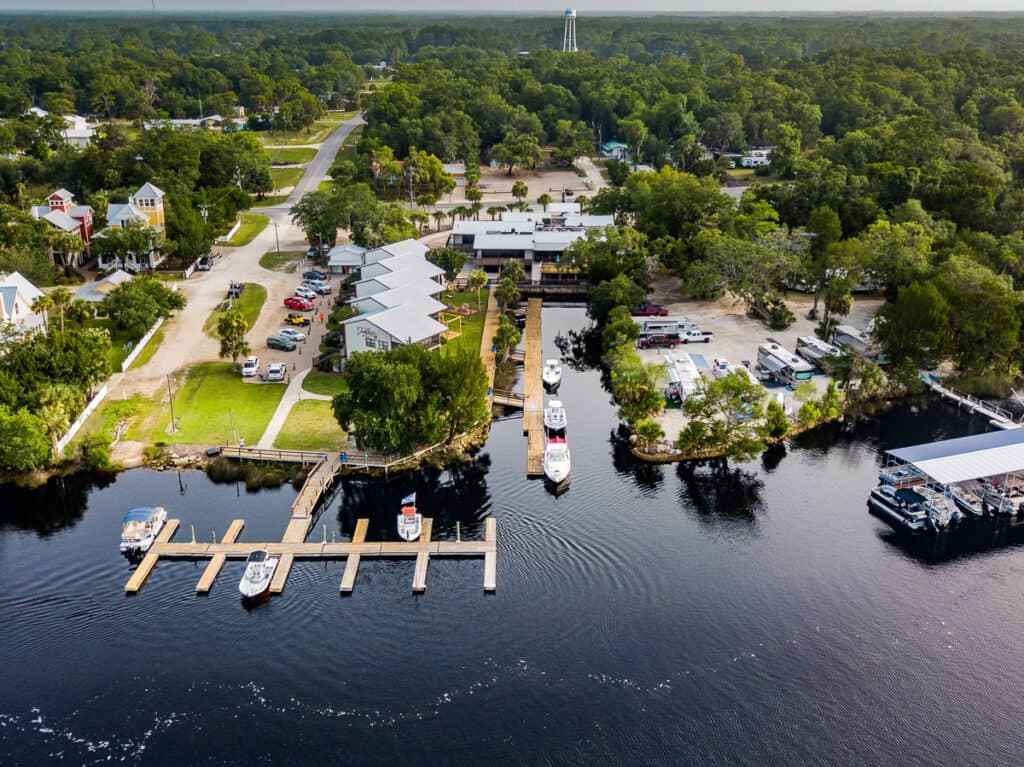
{"x":54,"y":506}
{"x":716,"y":492}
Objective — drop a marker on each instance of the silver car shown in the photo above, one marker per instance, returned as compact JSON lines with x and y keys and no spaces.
{"x":296,"y":335}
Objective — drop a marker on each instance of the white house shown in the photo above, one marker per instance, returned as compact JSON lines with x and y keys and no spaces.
{"x":95,"y":292}
{"x":381,"y":331}
{"x":144,"y":208}
{"x":382,"y":282}
{"x":345,"y":259}
{"x":17,"y":295}
{"x":389,"y":299}
{"x":412,"y":265}
{"x":400,"y":248}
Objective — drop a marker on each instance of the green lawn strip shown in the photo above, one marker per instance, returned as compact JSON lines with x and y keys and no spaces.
{"x":472,"y":326}
{"x":311,"y":426}
{"x":285,"y":261}
{"x":134,"y":411}
{"x":149,"y":349}
{"x":285,"y":177}
{"x":252,"y":225}
{"x":269,"y":201}
{"x":211,"y":398}
{"x":328,"y":384}
{"x":347,"y":151}
{"x":294,"y":155}
{"x":315,"y":134}
{"x":249,"y":304}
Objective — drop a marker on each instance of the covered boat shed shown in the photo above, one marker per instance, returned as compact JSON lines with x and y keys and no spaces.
{"x":948,"y":461}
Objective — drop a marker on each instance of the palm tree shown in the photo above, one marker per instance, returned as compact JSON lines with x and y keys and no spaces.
{"x":419,"y":218}
{"x":507,"y":292}
{"x":439,"y":217}
{"x":79,"y":312}
{"x":453,"y":212}
{"x":231,"y":329}
{"x":475,"y":209}
{"x":495,"y":210}
{"x":42,"y":305}
{"x":61,"y":297}
{"x":477,"y":279}
{"x":520,"y":190}
{"x":462,"y":211}
{"x":545,"y":200}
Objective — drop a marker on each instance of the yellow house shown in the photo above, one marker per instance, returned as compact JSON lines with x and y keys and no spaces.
{"x":149,"y":201}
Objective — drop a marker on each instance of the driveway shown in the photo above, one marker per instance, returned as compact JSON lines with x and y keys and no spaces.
{"x":185,"y":343}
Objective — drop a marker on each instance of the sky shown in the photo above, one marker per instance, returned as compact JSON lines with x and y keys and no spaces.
{"x":532,"y":7}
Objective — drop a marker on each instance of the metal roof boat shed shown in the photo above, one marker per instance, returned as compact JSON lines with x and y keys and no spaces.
{"x":957,"y":460}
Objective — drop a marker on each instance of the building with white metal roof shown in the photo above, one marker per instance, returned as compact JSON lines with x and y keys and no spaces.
{"x":410,"y":264}
{"x":993,"y":454}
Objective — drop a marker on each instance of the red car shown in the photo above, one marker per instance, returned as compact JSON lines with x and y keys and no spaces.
{"x":650,"y":310}
{"x":295,"y":302}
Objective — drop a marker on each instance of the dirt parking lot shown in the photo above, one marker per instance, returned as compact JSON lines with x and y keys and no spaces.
{"x":737,"y":336}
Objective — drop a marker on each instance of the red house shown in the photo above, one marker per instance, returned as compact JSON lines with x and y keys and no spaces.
{"x":61,"y":212}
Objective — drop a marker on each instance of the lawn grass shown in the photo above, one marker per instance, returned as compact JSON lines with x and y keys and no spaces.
{"x":314,"y":134}
{"x":212,"y":397}
{"x":285,"y":177}
{"x":311,"y":426}
{"x":347,"y":151}
{"x":148,"y":350}
{"x":269,"y":201}
{"x":472,"y":326}
{"x":328,"y":384}
{"x":136,"y":412}
{"x":291,"y":155}
{"x":252,"y":225}
{"x":249,"y":304}
{"x":285,"y":261}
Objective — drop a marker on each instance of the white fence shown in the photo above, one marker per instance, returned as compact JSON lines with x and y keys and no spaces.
{"x":231,"y":233}
{"x":93,"y":403}
{"x":141,"y":344}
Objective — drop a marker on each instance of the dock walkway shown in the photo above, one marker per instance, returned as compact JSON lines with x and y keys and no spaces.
{"x":998,"y":417}
{"x":487,"y":342}
{"x":533,"y":390}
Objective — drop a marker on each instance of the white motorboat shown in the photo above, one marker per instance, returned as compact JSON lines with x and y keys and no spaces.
{"x":410,"y":521}
{"x":555,"y":420}
{"x":556,"y":460}
{"x":552,"y":374}
{"x":259,"y":569}
{"x":967,"y":499}
{"x":140,"y":527}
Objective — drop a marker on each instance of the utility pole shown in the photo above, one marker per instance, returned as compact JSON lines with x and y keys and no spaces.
{"x":234,"y":439}
{"x":277,"y":240}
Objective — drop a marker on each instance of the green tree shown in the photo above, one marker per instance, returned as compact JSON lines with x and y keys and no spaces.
{"x":605,"y":296}
{"x":520,"y":190}
{"x":647,"y":433}
{"x":513,"y":270}
{"x":439,"y":216}
{"x":634,"y":384}
{"x":507,"y":292}
{"x":231,"y":330}
{"x":61,"y":298}
{"x":619,"y":331}
{"x":461,"y":383}
{"x":42,"y":305}
{"x":79,"y":312}
{"x":520,"y":149}
{"x":23,"y":442}
{"x":477,"y":280}
{"x":507,"y":337}
{"x":544,"y":200}
{"x":776,"y":425}
{"x":448,"y":259}
{"x":135,"y":305}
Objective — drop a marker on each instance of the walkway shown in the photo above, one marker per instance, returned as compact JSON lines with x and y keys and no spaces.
{"x":487,"y":342}
{"x":292,"y":394}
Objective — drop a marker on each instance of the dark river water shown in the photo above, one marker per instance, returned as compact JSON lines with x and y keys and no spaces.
{"x":746,"y":615}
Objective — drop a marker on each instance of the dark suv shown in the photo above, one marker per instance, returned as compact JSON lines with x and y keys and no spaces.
{"x":657,"y":340}
{"x":281,"y":342}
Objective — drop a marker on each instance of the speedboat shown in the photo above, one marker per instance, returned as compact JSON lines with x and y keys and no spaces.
{"x":552,"y":374}
{"x":140,"y":527}
{"x":556,"y":460}
{"x":555,"y":420}
{"x":410,"y":521}
{"x":259,"y":569}
{"x":941,"y":509}
{"x":967,"y":500}
{"x":996,"y":501}
{"x":901,"y":507}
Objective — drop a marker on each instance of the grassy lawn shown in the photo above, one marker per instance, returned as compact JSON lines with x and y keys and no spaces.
{"x":285,"y":261}
{"x":472,"y":326}
{"x":311,"y":426}
{"x":315,"y":134}
{"x":347,"y":151}
{"x":291,"y":155}
{"x":326,"y":185}
{"x":148,"y":350}
{"x":252,"y":225}
{"x":284,"y":177}
{"x":211,"y":397}
{"x":139,"y":414}
{"x":249,"y":304}
{"x":269,"y":200}
{"x":328,"y":384}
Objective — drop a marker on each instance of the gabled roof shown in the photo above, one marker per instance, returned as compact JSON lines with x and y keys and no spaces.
{"x":61,"y":220}
{"x":147,"y":190}
{"x":81,"y":211}
{"x":97,"y":291}
{"x":119,"y":212}
{"x":8,"y":294}
{"x":404,"y":296}
{"x":416,"y":281}
{"x":410,"y":264}
{"x":62,"y":194}
{"x":406,"y":324}
{"x":401,"y":248}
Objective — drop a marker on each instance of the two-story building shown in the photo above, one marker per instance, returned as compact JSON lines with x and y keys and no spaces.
{"x":17,"y":295}
{"x":61,"y":212}
{"x":145,"y":209}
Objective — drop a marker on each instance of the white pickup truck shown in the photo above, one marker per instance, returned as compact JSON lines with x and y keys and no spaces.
{"x":694,"y":336}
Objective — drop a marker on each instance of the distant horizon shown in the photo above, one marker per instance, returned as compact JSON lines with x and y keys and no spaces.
{"x":531,"y":8}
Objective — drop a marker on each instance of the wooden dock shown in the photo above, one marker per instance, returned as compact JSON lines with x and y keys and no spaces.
{"x":533,"y":390}
{"x":998,"y":417}
{"x":487,"y":342}
{"x":354,"y":550}
{"x":275,"y":456}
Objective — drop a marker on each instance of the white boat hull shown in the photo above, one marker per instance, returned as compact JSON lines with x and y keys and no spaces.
{"x":410,"y":526}
{"x":255,"y":582}
{"x":557,"y":466}
{"x":140,"y":540}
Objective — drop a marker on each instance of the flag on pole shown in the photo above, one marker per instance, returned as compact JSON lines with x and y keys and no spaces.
{"x":409,"y":500}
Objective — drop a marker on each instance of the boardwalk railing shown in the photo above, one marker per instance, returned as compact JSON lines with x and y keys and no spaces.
{"x":267,"y":454}
{"x":968,"y":400}
{"x":343,"y":461}
{"x":507,"y":398}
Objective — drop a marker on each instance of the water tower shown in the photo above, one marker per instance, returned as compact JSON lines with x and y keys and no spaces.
{"x":569,"y":37}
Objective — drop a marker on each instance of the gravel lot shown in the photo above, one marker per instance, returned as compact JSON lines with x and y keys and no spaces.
{"x":737,"y":336}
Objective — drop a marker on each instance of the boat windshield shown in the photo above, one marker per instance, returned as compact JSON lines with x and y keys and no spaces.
{"x":142,"y":514}
{"x":257,"y":556}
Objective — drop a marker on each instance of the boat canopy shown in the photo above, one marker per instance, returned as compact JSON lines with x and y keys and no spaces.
{"x":956,"y":460}
{"x":141,"y":514}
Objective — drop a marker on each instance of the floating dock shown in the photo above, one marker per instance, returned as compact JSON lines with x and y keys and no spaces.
{"x":533,"y":391}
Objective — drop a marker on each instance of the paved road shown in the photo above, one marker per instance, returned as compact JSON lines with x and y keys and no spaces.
{"x":185,"y":343}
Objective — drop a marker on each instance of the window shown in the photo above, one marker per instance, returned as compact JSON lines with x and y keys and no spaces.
{"x":371,"y":343}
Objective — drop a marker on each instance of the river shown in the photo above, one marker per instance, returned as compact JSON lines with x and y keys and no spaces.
{"x":748,"y":615}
